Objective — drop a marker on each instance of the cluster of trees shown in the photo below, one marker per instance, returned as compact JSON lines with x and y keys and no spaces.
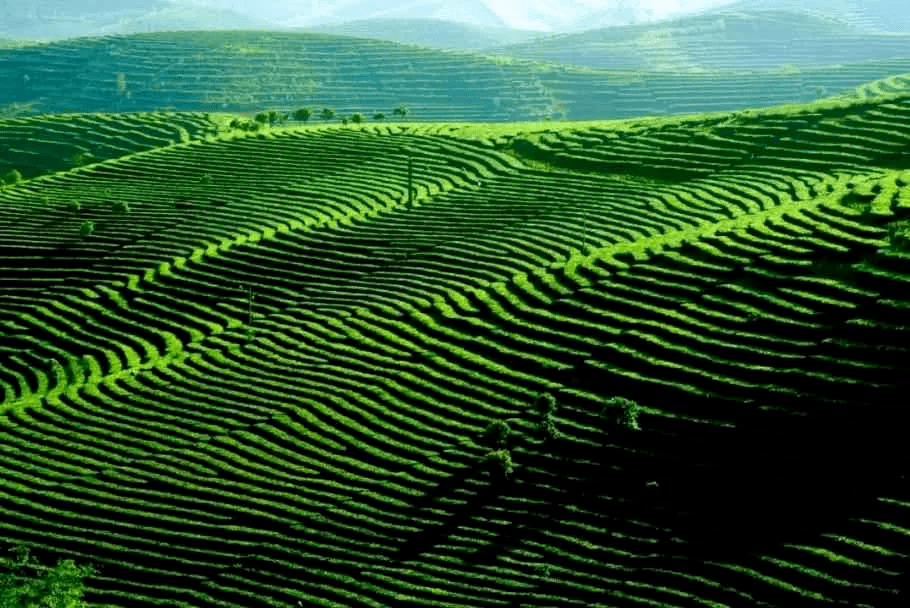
{"x":273,"y":117}
{"x":59,"y":587}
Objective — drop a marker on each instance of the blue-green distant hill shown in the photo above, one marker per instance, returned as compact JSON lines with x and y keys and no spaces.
{"x":718,"y":40}
{"x":431,"y":32}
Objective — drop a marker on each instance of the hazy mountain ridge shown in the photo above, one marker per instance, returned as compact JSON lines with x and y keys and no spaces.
{"x":725,"y":39}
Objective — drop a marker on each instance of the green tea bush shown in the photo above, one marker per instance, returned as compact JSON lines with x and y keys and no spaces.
{"x":546,"y":404}
{"x":121,"y":207}
{"x":74,"y":206}
{"x":496,"y":433}
{"x":206,"y":179}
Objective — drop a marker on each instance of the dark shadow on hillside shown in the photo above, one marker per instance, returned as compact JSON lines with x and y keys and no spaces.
{"x":473,"y":485}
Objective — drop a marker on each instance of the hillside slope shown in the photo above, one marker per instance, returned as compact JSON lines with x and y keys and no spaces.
{"x":252,"y":71}
{"x":320,"y":438}
{"x":720,"y":40}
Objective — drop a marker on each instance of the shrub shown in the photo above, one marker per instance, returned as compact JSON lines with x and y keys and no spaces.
{"x":500,"y":461}
{"x":74,"y":206}
{"x":546,"y":404}
{"x":12,"y":177}
{"x":261,"y":118}
{"x":378,"y":116}
{"x":122,"y":207}
{"x":344,"y":120}
{"x":548,"y":428}
{"x":59,"y":587}
{"x":206,"y":179}
{"x":624,"y":411}
{"x":401,"y":110}
{"x":327,"y":113}
{"x":496,"y":433}
{"x":356,"y":118}
{"x":303,"y":114}
{"x":87,"y":228}
{"x":274,"y":117}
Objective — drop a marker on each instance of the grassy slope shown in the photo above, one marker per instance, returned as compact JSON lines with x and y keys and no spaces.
{"x":742,"y":277}
{"x":250,"y":71}
{"x":759,"y":40}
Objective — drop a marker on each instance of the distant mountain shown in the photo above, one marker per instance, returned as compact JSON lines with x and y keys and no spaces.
{"x":884,"y":15}
{"x":431,"y":33}
{"x":54,"y":19}
{"x":719,"y":40}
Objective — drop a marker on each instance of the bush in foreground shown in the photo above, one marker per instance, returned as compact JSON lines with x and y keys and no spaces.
{"x":623,"y":411}
{"x":500,"y":461}
{"x":59,"y":587}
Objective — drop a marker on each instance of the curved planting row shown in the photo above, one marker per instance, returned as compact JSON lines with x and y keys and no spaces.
{"x":253,"y":71}
{"x":44,"y":144}
{"x":323,"y":441}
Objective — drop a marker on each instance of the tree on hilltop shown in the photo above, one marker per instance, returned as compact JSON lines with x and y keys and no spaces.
{"x":378,"y":116}
{"x":401,"y":110}
{"x":357,"y":118}
{"x":327,"y":113}
{"x":261,"y":118}
{"x":303,"y":114}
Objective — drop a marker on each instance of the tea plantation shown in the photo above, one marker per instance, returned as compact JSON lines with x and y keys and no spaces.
{"x":652,"y":362}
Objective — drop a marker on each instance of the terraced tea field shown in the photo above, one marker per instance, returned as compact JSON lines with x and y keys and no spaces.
{"x":264,"y":379}
{"x":253,"y":71}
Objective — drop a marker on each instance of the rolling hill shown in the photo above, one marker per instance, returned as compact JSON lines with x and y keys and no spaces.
{"x":252,"y":71}
{"x":877,"y":15}
{"x":433,"y":33}
{"x":262,"y":376}
{"x":719,"y":40}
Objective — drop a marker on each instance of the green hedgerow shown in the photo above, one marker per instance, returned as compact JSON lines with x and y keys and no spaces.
{"x":496,"y":433}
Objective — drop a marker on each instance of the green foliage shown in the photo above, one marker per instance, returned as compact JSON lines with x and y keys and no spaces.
{"x":548,"y":428}
{"x":378,"y":116}
{"x":74,"y":206}
{"x":303,"y":114}
{"x":327,"y":113}
{"x":496,"y":433}
{"x":401,"y":110}
{"x":59,"y":587}
{"x":623,"y":411}
{"x":261,"y":118}
{"x":206,"y":179}
{"x":500,"y":462}
{"x":546,"y":404}
{"x":275,"y":117}
{"x":12,"y":177}
{"x":356,"y":118}
{"x":344,"y":120}
{"x":121,"y":207}
{"x":87,"y":228}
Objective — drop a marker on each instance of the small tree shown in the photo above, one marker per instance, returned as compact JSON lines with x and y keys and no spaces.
{"x":624,"y":411}
{"x":496,"y":433}
{"x":206,"y":179}
{"x":378,"y":116}
{"x":122,"y":207}
{"x":357,"y":118}
{"x":546,"y":404}
{"x":327,"y":113}
{"x":401,"y":110}
{"x":12,"y":177}
{"x":303,"y":114}
{"x":274,"y":117}
{"x":87,"y":228}
{"x":344,"y":120}
{"x":261,"y":118}
{"x":500,"y":461}
{"x":74,"y":206}
{"x":59,"y":587}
